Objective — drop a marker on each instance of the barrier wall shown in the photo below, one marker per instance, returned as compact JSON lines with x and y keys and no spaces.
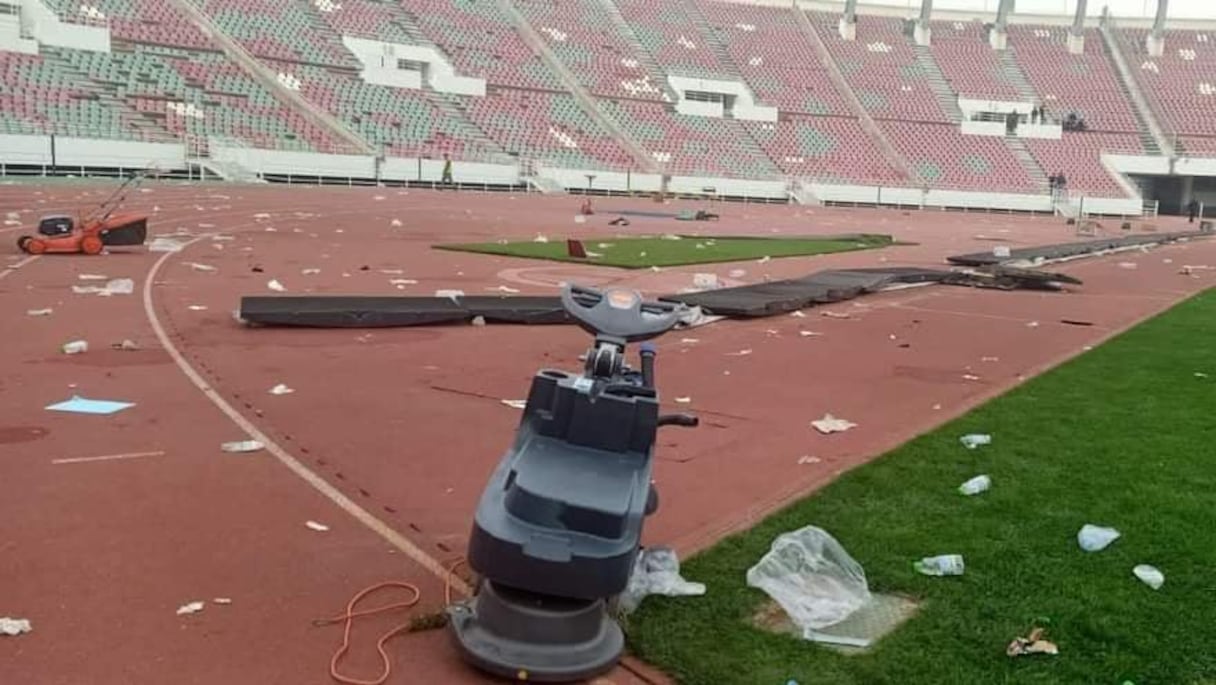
{"x":299,"y":163}
{"x":16,"y":149}
{"x":10,"y":36}
{"x":731,"y":187}
{"x":101,"y":153}
{"x":44,"y":25}
{"x":615,"y":181}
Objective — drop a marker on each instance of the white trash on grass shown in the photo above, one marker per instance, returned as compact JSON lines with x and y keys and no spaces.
{"x":811,"y":576}
{"x":941,"y":565}
{"x":656,"y":571}
{"x":975,"y":486}
{"x":1149,"y":575}
{"x":974,"y":440}
{"x":1093,"y":538}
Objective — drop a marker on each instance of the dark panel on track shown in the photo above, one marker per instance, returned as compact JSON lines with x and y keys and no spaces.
{"x":1064,"y":250}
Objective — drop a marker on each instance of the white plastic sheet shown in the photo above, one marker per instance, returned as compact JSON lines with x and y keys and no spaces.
{"x":656,"y":571}
{"x":812,"y":577}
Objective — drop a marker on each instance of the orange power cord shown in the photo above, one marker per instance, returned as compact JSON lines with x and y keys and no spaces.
{"x":349,"y":619}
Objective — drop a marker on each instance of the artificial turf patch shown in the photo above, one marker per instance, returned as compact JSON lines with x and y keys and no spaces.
{"x":645,"y":252}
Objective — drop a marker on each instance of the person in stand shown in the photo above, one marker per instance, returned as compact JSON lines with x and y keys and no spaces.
{"x":447,"y":170}
{"x":1034,"y":115}
{"x":1192,"y":210}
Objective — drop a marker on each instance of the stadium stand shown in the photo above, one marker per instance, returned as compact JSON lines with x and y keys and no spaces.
{"x":165,"y":78}
{"x":1180,"y":84}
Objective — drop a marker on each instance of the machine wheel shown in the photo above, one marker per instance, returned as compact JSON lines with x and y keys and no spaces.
{"x":91,"y":244}
{"x":652,"y":500}
{"x":33,"y":245}
{"x":22,"y":241}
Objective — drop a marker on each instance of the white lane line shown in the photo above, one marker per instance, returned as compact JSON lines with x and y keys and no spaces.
{"x":108,"y":457}
{"x":13,"y":267}
{"x":348,"y":505}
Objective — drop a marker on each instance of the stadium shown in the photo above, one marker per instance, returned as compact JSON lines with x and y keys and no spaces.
{"x":315,"y":251}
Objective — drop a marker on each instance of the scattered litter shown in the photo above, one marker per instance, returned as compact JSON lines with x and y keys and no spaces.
{"x":1149,"y":575}
{"x":683,"y":400}
{"x":222,"y":600}
{"x":740,"y":353}
{"x":937,"y":407}
{"x":309,"y":272}
{"x":391,"y":272}
{"x":973,"y":440}
{"x":515,"y":404}
{"x":261,"y":215}
{"x":274,"y":285}
{"x":970,"y":377}
{"x":402,"y":282}
{"x":1189,"y":270}
{"x":319,"y":527}
{"x":396,"y":223}
{"x":705,"y":280}
{"x":836,"y":315}
{"x":975,"y":486}
{"x":118,"y":286}
{"x":990,"y":359}
{"x":1001,"y":252}
{"x":91,"y":277}
{"x":281,"y":389}
{"x":242,"y":446}
{"x":809,"y":334}
{"x":201,"y":267}
{"x":1167,"y":261}
{"x":164,"y":244}
{"x":11,"y":222}
{"x":191,"y":608}
{"x":806,"y":459}
{"x":378,"y":198}
{"x":257,"y":269}
{"x":1127,"y":265}
{"x":1032,"y":324}
{"x":126,"y":345}
{"x":450,"y":294}
{"x":764,"y":260}
{"x":540,"y":239}
{"x":798,"y":314}
{"x":14,"y":626}
{"x":1096,"y":538}
{"x":942,"y":565}
{"x":811,"y":576}
{"x":197,"y":307}
{"x":13,"y":215}
{"x":831,"y":424}
{"x":1031,"y":644}
{"x":80,"y":405}
{"x":1198,"y":374}
{"x":736,"y":273}
{"x":478,"y":320}
{"x":1076,"y":322}
{"x":656,"y":571}
{"x":40,"y":312}
{"x":504,"y":289}
{"x":689,"y":341}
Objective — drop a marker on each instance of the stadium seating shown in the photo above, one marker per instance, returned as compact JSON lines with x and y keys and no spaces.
{"x":545,"y":125}
{"x":155,"y":22}
{"x":166,"y":77}
{"x":970,"y":65}
{"x":481,"y":42}
{"x":881,"y":67}
{"x":582,"y":35}
{"x":1181,"y":84}
{"x":279,"y":29}
{"x":668,"y":32}
{"x":687,"y":144}
{"x":946,"y":159}
{"x":828,"y":149}
{"x":1079,"y":157}
{"x":1086,"y":84}
{"x":776,"y":58}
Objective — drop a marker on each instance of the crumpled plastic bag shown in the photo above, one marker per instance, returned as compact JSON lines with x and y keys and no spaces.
{"x":812,"y":577}
{"x":656,"y":571}
{"x":1093,"y":538}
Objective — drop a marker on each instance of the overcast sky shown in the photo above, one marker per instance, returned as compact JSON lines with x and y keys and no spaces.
{"x":1181,"y":9}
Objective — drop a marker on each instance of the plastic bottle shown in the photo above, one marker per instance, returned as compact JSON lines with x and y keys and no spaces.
{"x":976,"y":485}
{"x":943,"y":565}
{"x":75,"y":347}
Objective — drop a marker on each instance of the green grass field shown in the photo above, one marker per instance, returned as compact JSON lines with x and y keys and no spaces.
{"x":1121,"y":436}
{"x":640,"y":253}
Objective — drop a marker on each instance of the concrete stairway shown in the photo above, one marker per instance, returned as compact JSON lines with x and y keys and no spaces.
{"x":1018,"y":147}
{"x":1014,"y":75}
{"x":657,"y":75}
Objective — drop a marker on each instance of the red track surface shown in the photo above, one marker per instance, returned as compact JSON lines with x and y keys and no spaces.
{"x":407,"y":423}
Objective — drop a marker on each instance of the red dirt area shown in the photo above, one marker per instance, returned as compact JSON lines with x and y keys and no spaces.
{"x":116,"y":521}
